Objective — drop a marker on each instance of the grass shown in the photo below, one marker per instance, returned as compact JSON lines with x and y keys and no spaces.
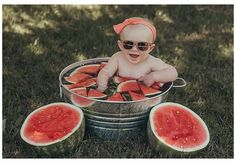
{"x":39,"y":41}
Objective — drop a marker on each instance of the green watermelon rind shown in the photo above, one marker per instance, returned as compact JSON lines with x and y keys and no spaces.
{"x":159,"y":144}
{"x":66,"y":144}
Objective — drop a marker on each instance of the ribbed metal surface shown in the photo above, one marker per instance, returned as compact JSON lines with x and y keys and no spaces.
{"x":113,"y":120}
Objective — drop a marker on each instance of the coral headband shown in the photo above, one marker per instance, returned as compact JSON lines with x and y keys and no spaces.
{"x":133,"y":21}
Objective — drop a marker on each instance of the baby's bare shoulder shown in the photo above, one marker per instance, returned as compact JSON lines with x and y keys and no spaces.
{"x":155,"y":60}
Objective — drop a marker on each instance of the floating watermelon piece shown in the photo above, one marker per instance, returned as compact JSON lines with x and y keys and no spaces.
{"x":87,"y":83}
{"x":103,"y":64}
{"x":148,"y":91}
{"x":136,"y":96}
{"x":157,"y":85}
{"x":119,"y":79}
{"x":54,"y":129}
{"x":77,"y":77}
{"x":80,"y":100}
{"x":175,"y":127}
{"x":96,"y":94}
{"x":116,"y":97}
{"x":126,"y":86}
{"x":89,"y":69}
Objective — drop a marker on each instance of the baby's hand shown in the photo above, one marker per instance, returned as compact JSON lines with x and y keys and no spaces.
{"x":101,"y":88}
{"x":148,"y":80}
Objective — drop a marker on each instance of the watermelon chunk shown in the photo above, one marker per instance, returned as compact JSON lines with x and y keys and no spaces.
{"x":130,"y":85}
{"x":87,"y":83}
{"x":148,"y":91}
{"x":89,"y":69}
{"x":116,"y":97}
{"x":95,"y":94}
{"x":103,"y":64}
{"x":54,"y":129}
{"x":177,"y":128}
{"x":119,"y":79}
{"x":80,"y":100}
{"x":77,"y":77}
{"x":136,"y":96}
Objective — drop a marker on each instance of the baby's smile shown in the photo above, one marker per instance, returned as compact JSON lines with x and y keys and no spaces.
{"x":133,"y":55}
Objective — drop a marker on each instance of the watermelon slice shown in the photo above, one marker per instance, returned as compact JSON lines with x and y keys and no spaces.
{"x":157,"y":85}
{"x":119,"y":79}
{"x":103,"y":64}
{"x":175,"y":127}
{"x":148,"y":91}
{"x":80,"y":100}
{"x":130,"y":85}
{"x":96,"y":94}
{"x":89,"y":69}
{"x":116,"y":97}
{"x":136,"y":96}
{"x":77,"y":77}
{"x":54,"y":129}
{"x":87,"y":83}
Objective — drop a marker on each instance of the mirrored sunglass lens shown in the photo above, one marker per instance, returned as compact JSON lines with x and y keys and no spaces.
{"x":128,"y":44}
{"x":142,"y":46}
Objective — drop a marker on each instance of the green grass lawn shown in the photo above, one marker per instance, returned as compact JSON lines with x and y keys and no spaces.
{"x":39,"y":41}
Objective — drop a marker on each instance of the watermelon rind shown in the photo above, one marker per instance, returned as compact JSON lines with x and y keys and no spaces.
{"x":64,"y":145}
{"x":159,"y":144}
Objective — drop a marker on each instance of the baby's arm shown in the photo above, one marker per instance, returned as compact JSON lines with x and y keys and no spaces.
{"x":108,"y":71}
{"x":161,"y":72}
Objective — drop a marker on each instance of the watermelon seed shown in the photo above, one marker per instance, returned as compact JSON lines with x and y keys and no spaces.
{"x":177,"y":112}
{"x":176,"y":128}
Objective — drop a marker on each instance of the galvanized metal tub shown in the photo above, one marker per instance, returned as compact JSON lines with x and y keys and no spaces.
{"x":113,"y":120}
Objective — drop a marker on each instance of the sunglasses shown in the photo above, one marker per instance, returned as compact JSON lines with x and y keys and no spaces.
{"x":142,"y":46}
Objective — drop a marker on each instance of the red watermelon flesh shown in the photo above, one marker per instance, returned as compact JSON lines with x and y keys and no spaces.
{"x":179,"y":127}
{"x":103,"y":64}
{"x":77,"y":77}
{"x":147,"y":91}
{"x":95,"y":94}
{"x":89,"y":69}
{"x":136,"y":96}
{"x":119,"y":79}
{"x":157,"y":85}
{"x":116,"y":97}
{"x":51,"y":123}
{"x":130,"y":85}
{"x":87,"y":83}
{"x":78,"y":100}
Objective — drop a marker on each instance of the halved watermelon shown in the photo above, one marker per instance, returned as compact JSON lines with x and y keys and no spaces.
{"x":79,"y":100}
{"x":77,"y":77}
{"x":148,"y":91}
{"x":136,"y":96}
{"x":116,"y":97}
{"x":89,"y":69}
{"x":130,"y":85}
{"x":54,"y":129}
{"x":175,"y":127}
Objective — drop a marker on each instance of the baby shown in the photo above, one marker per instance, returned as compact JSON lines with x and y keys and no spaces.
{"x":137,"y":40}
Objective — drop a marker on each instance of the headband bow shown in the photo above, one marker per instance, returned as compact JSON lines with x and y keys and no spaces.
{"x":133,"y":21}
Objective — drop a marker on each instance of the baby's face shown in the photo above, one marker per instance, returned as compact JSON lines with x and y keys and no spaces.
{"x":133,"y":43}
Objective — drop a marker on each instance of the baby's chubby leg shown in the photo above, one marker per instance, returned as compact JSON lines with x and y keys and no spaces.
{"x":102,"y":80}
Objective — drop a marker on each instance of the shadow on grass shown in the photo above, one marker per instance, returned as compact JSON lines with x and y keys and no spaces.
{"x":39,"y":41}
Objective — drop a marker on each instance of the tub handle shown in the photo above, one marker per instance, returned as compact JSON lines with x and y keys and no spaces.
{"x":181,"y":85}
{"x":60,"y":90}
